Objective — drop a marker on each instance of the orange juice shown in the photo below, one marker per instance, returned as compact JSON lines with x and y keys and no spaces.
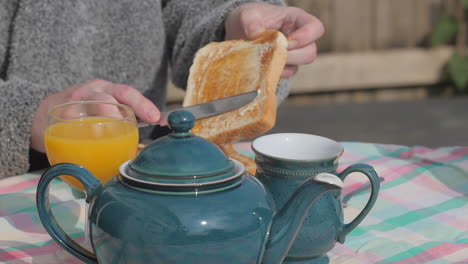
{"x":99,"y":144}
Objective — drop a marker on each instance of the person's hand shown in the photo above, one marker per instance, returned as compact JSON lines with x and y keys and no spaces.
{"x":96,"y":90}
{"x":301,"y":28}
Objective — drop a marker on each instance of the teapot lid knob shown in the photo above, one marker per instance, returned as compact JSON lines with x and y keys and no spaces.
{"x":181,"y":122}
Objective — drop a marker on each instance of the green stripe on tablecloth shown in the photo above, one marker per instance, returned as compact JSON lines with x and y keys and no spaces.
{"x":419,"y":249}
{"x":418,"y":171}
{"x":392,"y":154}
{"x":411,"y":217}
{"x":413,"y":174}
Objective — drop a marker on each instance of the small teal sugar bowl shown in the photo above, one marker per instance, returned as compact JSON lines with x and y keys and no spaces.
{"x":284,"y":161}
{"x":183,"y":201}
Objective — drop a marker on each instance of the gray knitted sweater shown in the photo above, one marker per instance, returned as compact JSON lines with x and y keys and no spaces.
{"x":46,"y":46}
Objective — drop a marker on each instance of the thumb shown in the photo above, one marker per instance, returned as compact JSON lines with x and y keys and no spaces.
{"x":254,"y":28}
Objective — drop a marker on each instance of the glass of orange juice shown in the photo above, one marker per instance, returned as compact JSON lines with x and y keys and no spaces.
{"x":99,"y":136}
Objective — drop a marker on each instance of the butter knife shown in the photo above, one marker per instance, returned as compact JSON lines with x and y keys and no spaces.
{"x":208,"y":109}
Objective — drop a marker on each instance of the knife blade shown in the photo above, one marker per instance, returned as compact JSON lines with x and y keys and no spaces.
{"x":210,"y":108}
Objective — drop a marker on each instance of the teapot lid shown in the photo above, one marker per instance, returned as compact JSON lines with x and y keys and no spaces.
{"x":180,"y":159}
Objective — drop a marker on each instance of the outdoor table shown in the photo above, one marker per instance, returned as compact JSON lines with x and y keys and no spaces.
{"x":421,"y":215}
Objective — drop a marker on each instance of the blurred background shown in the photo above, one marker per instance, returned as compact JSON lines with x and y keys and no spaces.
{"x":388,"y":71}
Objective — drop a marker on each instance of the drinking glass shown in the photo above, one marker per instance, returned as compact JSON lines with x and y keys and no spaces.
{"x":99,"y":136}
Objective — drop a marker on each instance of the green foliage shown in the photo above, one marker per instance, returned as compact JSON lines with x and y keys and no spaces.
{"x":444,"y":31}
{"x":458,"y":70}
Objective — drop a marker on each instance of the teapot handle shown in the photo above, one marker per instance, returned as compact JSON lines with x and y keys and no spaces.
{"x":375,"y":187}
{"x":91,"y":185}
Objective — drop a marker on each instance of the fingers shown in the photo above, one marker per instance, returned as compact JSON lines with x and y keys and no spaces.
{"x":302,"y":30}
{"x":101,"y":90}
{"x":99,"y":96}
{"x":298,"y":57}
{"x":253,"y":23}
{"x":289,"y":71}
{"x":77,"y":111}
{"x":105,"y":110}
{"x":308,"y":30}
{"x":86,"y":91}
{"x":128,"y":95}
{"x":304,"y":55}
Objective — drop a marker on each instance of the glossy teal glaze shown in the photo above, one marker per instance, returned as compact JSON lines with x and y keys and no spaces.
{"x":133,"y":226}
{"x":219,"y":221}
{"x":323,"y":225}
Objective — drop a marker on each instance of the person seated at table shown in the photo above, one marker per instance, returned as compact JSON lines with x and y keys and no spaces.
{"x":52,"y":52}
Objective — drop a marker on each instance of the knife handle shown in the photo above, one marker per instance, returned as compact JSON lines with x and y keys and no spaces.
{"x":157,"y":131}
{"x":144,"y":124}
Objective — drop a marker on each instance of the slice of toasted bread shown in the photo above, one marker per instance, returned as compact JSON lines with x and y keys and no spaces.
{"x":222,"y":69}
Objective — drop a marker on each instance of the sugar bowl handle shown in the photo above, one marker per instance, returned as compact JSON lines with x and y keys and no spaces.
{"x":375,"y":187}
{"x":91,"y":184}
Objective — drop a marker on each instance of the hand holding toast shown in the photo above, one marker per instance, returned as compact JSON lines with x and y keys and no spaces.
{"x":302,"y":29}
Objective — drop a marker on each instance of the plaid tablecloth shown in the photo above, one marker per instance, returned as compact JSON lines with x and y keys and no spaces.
{"x":421,"y":215}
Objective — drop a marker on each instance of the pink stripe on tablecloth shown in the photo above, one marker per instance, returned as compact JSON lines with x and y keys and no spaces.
{"x":461,"y":151}
{"x":351,"y":157}
{"x":453,"y":155}
{"x":373,"y":162}
{"x":12,"y":255}
{"x":423,"y":177}
{"x":243,"y":145}
{"x":408,"y":157}
{"x":30,"y":252}
{"x":24,"y":222}
{"x":21,"y":186}
{"x":449,"y":219}
{"x":342,"y":251}
{"x":437,"y":252}
{"x":388,"y":172}
{"x":380,"y":160}
{"x":351,"y":187}
{"x":35,"y":250}
{"x":433,"y":184}
{"x":411,"y":152}
{"x":401,"y":201}
{"x":393,"y":172}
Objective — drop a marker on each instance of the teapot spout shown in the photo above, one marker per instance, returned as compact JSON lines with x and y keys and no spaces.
{"x":288,"y":221}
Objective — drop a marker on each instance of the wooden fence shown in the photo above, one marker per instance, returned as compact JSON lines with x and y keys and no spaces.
{"x":362,"y":25}
{"x":374,"y":44}
{"x":371,"y":44}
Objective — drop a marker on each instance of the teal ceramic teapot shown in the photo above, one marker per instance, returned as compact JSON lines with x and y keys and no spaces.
{"x":183,"y":201}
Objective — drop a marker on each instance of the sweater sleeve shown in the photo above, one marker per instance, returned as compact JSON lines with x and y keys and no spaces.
{"x":191,"y":25}
{"x":18,"y":102}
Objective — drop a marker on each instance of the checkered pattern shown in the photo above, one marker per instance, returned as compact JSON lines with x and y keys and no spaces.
{"x":421,"y":215}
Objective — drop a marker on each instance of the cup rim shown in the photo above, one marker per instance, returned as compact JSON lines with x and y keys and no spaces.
{"x":130,"y":116}
{"x":337,"y":155}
